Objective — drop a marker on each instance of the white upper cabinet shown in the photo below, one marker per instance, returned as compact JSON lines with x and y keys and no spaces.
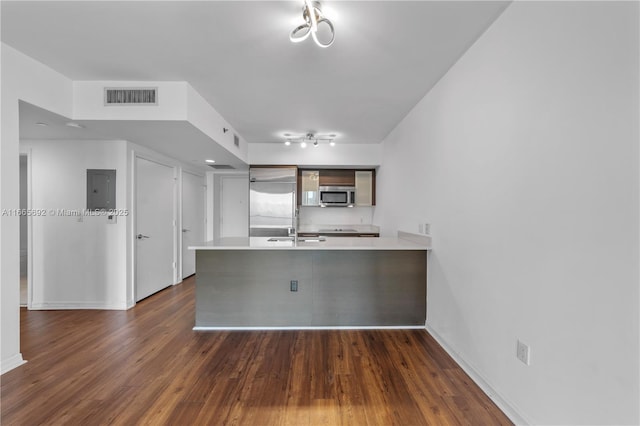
{"x":309,"y":195}
{"x":364,"y":188}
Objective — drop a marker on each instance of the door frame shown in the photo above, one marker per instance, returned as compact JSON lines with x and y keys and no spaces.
{"x":180,"y":217}
{"x":28,"y":153}
{"x":134,"y":218}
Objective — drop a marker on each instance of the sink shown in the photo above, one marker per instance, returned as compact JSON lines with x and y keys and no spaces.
{"x":302,"y":239}
{"x":312,"y":239}
{"x":338,"y":230}
{"x":274,"y":239}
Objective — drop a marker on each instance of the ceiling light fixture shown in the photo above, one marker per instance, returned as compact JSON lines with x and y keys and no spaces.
{"x":302,"y":140}
{"x":313,"y":17}
{"x":40,"y":123}
{"x":74,"y":125}
{"x":210,"y":161}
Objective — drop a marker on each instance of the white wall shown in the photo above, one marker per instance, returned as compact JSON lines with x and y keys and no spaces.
{"x":209,"y":121}
{"x":336,"y":216}
{"x":87,"y":264}
{"x":346,"y":155}
{"x":524,"y":158}
{"x":78,"y":262}
{"x":26,"y":79}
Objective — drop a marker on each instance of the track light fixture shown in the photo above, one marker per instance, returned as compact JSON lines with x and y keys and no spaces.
{"x":313,"y":17}
{"x":303,"y":140}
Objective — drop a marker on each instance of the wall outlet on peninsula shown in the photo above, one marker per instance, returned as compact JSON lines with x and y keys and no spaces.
{"x":523,"y":353}
{"x":424,"y":228}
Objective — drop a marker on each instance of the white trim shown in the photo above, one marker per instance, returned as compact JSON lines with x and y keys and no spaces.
{"x":43,"y":306}
{"x":11,"y":363}
{"x":29,"y":154}
{"x":507,"y":407}
{"x":321,"y":327}
{"x":180,"y":216}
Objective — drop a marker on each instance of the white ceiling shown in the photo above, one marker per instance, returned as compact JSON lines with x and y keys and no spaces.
{"x":237,"y":55}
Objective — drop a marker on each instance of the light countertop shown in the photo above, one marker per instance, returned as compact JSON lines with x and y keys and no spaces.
{"x":337,"y":229}
{"x":335,"y":243}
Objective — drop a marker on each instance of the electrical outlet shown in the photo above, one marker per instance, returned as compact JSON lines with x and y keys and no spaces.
{"x":424,"y":228}
{"x":523,"y":353}
{"x":294,"y":285}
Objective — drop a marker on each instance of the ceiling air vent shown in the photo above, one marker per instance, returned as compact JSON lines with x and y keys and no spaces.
{"x":131,"y":96}
{"x":221,"y":167}
{"x":236,"y":140}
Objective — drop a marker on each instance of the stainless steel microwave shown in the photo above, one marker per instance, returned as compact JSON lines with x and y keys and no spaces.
{"x":337,"y":196}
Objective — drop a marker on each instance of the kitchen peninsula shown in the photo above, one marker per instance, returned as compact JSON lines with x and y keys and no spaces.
{"x":262,"y":282}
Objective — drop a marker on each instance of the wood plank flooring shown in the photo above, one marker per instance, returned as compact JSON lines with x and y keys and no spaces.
{"x":147,"y":366}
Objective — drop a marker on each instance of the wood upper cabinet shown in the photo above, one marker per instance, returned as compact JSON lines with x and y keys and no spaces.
{"x":309,"y":182}
{"x":337,"y":177}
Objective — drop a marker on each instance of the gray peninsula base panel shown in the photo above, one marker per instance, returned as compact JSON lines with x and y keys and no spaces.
{"x":359,"y":288}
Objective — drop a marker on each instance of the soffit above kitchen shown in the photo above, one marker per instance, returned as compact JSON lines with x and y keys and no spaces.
{"x":161,"y":136}
{"x":238,"y":56}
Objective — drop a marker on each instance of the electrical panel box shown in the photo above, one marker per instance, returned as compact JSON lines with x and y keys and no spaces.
{"x":101,"y":189}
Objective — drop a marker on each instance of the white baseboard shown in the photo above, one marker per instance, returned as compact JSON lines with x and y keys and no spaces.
{"x":43,"y":306}
{"x":11,"y":363}
{"x":503,"y":403}
{"x":258,"y":328}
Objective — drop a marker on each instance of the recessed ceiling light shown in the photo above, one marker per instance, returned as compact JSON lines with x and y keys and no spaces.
{"x":287,"y":143}
{"x":303,"y":145}
{"x":332,"y":143}
{"x":210,"y":161}
{"x":74,"y":125}
{"x":39,"y":123}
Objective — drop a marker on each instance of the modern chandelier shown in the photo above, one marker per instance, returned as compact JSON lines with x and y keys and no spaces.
{"x":309,"y":138}
{"x":313,"y":17}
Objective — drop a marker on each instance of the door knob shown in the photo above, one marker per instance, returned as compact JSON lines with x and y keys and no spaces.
{"x":140,"y":236}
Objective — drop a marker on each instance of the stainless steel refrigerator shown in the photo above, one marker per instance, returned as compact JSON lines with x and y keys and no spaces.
{"x":272,"y":201}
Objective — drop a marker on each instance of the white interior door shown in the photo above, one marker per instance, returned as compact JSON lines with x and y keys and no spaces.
{"x":234,"y":212}
{"x":155,"y":230}
{"x":193,"y":226}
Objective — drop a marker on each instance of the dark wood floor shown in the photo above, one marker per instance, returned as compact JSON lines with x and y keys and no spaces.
{"x":146,"y":366}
